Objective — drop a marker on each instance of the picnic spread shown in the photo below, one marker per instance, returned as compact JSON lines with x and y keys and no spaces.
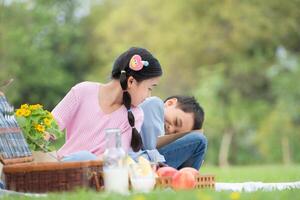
{"x":22,"y":174}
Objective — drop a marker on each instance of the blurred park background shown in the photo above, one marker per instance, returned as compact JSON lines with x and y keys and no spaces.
{"x":240,"y":59}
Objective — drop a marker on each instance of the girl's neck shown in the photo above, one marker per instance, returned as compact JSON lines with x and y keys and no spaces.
{"x":110,"y":96}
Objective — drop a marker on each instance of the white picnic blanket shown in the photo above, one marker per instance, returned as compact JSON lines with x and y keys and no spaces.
{"x":255,"y":186}
{"x":236,"y":187}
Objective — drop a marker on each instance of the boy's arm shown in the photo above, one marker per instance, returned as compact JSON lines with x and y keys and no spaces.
{"x":167,"y":139}
{"x":153,"y":124}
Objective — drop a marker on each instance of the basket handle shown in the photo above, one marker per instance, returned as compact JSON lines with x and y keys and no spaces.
{"x":4,"y":85}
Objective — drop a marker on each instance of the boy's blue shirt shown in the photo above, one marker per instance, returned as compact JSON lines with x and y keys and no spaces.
{"x":153,"y":125}
{"x":152,"y":128}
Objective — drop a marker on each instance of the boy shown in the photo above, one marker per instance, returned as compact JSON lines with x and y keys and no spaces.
{"x":167,"y":131}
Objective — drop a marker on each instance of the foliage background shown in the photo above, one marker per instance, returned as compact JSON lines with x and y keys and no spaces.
{"x":240,"y":59}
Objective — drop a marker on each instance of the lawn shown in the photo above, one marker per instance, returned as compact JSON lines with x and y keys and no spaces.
{"x":270,"y":173}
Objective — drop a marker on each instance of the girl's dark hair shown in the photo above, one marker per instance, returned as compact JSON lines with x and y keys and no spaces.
{"x":122,"y":72}
{"x":189,"y":104}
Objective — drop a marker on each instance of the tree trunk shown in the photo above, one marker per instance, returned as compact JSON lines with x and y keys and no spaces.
{"x":286,"y":153}
{"x":224,"y":149}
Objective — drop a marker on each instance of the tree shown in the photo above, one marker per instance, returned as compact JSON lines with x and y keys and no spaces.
{"x":281,"y":127}
{"x":43,"y":50}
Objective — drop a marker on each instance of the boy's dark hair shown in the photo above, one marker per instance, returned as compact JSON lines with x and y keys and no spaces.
{"x":121,"y":71}
{"x":189,"y":104}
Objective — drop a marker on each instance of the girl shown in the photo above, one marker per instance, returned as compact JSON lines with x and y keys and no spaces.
{"x":89,"y":108}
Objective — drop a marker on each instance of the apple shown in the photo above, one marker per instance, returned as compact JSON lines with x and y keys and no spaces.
{"x":166,"y":171}
{"x":183,"y":180}
{"x":190,"y":169}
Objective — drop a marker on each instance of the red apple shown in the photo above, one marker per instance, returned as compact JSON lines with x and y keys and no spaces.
{"x":183,"y":180}
{"x":166,"y":171}
{"x":190,"y":169}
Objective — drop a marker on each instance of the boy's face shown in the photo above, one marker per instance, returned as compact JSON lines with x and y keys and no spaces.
{"x":176,"y":120}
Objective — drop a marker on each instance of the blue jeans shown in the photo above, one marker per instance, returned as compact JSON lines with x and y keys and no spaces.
{"x":187,"y":151}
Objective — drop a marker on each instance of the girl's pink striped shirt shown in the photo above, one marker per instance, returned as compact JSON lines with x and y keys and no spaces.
{"x":80,"y":114}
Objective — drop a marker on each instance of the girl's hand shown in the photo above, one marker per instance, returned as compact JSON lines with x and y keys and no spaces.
{"x":49,"y":136}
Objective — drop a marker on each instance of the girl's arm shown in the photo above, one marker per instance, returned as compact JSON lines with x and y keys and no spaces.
{"x":65,"y":109}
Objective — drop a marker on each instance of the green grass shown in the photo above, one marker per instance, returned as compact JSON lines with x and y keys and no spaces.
{"x":265,"y":173}
{"x":270,"y":173}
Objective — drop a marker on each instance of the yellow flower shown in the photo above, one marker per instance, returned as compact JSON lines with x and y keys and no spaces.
{"x":19,"y":113}
{"x":24,"y":106}
{"x":235,"y":196}
{"x":23,"y":111}
{"x":47,"y":121}
{"x":40,"y":128}
{"x":26,"y":112}
{"x":49,"y":115}
{"x":34,"y":122}
{"x":35,"y":107}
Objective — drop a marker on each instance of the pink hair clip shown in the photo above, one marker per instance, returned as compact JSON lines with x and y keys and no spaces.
{"x":136,"y":63}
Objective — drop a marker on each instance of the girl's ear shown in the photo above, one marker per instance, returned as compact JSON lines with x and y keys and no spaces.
{"x":130,"y":81}
{"x":171,"y":102}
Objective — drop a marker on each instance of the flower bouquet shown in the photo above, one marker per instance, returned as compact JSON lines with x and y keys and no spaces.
{"x":38,"y":126}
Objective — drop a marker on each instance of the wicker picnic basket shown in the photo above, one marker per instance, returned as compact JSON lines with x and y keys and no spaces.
{"x":53,"y":176}
{"x":24,"y":175}
{"x":202,"y":181}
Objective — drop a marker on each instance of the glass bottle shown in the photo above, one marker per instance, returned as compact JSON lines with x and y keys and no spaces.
{"x":115,"y":170}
